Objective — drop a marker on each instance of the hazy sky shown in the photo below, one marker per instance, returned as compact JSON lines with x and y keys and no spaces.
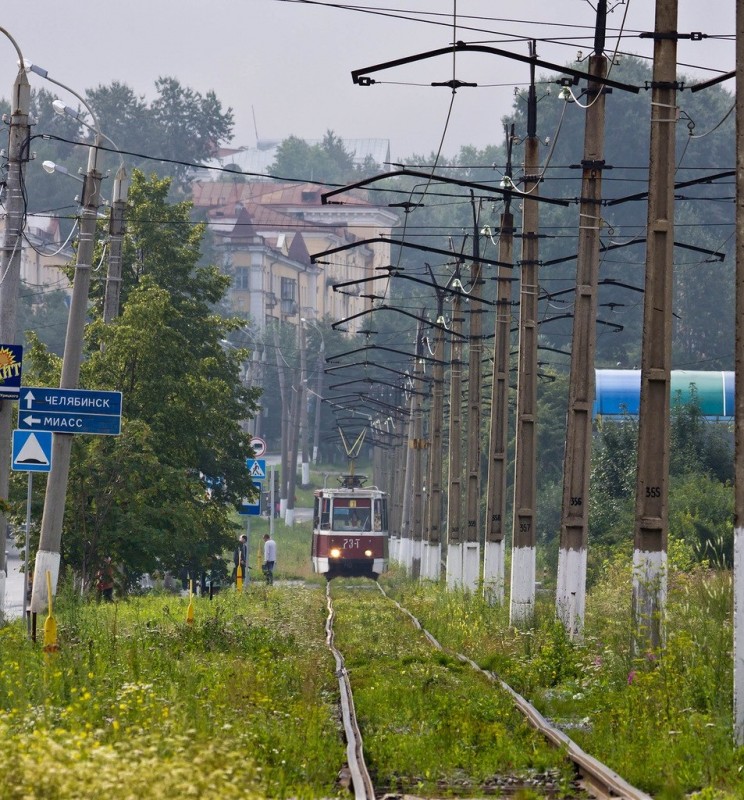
{"x":289,"y":63}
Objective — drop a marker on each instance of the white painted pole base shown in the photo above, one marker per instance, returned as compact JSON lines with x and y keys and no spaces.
{"x":471,"y":567}
{"x":46,"y":561}
{"x":522,"y":608}
{"x":430,"y":567}
{"x":394,"y":549}
{"x":282,"y":506}
{"x":305,"y":473}
{"x":289,"y":517}
{"x":570,"y":597}
{"x":649,"y":596}
{"x":493,"y":572}
{"x":454,"y":566}
{"x":405,"y":557}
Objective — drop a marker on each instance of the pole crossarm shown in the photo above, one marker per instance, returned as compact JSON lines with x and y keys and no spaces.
{"x":378,"y":366}
{"x":336,"y":325}
{"x":316,"y":259}
{"x":679,"y":185}
{"x":717,"y":254}
{"x":371,"y":382}
{"x":430,"y":176}
{"x":359,"y":76}
{"x":440,"y":290}
{"x":428,"y":359}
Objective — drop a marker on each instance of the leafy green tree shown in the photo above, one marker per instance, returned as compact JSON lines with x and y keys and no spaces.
{"x":160,"y":495}
{"x":327,"y":162}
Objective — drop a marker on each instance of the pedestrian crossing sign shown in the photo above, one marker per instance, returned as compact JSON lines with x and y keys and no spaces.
{"x":256,"y":468}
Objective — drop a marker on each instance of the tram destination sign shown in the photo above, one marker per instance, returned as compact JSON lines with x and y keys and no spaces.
{"x":70,"y":411}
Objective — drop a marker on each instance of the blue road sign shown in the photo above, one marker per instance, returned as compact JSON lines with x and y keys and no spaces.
{"x":252,"y":508}
{"x":11,"y":366}
{"x":256,"y":468}
{"x":32,"y":451}
{"x":81,"y":401}
{"x":70,"y":411}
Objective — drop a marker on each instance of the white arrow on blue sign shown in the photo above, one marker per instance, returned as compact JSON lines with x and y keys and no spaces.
{"x":70,"y":411}
{"x":32,"y":451}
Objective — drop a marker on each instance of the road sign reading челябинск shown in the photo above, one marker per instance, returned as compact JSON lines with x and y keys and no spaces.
{"x":70,"y":410}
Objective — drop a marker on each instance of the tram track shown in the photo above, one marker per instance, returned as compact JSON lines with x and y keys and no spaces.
{"x":594,"y":778}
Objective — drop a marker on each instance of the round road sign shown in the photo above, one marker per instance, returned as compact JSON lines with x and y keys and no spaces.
{"x":258,"y":445}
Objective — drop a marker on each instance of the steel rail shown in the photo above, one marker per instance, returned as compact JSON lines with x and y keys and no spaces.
{"x":360,"y":778}
{"x":598,"y":778}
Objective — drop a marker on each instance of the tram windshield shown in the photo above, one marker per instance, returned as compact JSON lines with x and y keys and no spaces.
{"x":350,"y":519}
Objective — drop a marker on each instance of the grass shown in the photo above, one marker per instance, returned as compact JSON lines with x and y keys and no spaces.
{"x":138,"y":703}
{"x":430,"y":724}
{"x":661,"y":720}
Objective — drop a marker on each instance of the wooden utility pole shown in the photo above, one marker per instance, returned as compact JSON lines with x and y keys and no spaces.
{"x":10,"y":271}
{"x":471,"y":551}
{"x":525,"y":491}
{"x":454,"y":489}
{"x":571,"y":582}
{"x":652,"y":483}
{"x":739,"y":394}
{"x":493,"y":556}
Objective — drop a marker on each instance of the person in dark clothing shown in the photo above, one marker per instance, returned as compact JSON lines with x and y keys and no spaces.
{"x":240,"y":557}
{"x":105,"y":580}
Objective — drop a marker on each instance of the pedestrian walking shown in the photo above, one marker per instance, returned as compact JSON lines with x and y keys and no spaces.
{"x":105,"y":579}
{"x":269,"y":554}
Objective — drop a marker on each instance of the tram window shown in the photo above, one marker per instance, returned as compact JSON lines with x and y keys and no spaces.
{"x":325,"y":514}
{"x":380,"y":515}
{"x":350,"y":519}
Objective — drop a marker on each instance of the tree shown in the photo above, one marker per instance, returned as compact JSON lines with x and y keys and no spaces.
{"x":327,"y":162}
{"x":143,"y":497}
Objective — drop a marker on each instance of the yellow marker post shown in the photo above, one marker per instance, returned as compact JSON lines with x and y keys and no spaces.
{"x":190,"y":609}
{"x":239,"y":577}
{"x":50,"y":624}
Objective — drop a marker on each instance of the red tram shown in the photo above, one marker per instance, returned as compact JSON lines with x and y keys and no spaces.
{"x":350,"y":530}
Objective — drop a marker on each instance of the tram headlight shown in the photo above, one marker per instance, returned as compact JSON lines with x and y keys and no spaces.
{"x":368,"y":553}
{"x":335,"y":552}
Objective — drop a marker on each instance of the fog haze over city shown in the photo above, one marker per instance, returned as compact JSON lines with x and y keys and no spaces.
{"x":285,"y":67}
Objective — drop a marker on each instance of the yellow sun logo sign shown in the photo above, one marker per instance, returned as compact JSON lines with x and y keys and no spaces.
{"x":9,"y":367}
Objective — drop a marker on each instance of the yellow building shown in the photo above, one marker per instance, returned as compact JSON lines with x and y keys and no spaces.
{"x":267,"y":232}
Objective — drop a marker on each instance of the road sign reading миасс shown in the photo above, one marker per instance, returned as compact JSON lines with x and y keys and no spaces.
{"x":70,"y":410}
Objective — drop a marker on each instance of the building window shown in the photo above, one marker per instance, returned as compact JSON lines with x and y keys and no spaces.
{"x":242,"y":278}
{"x":289,"y":289}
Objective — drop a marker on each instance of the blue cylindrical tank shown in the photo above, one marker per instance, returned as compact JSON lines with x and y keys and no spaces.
{"x":618,"y":391}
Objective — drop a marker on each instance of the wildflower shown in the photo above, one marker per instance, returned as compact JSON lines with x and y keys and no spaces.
{"x":631,"y":676}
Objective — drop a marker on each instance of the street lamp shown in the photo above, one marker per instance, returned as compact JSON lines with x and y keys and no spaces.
{"x":48,"y":554}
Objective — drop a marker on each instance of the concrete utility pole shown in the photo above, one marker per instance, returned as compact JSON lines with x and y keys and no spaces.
{"x":739,"y":394}
{"x":493,"y":557}
{"x":418,"y":443}
{"x":300,"y":416}
{"x":432,"y":554}
{"x":454,"y":491}
{"x":652,"y":483}
{"x":117,"y":229}
{"x":524,"y":536}
{"x":471,"y":552}
{"x":571,"y":583}
{"x":48,"y":555}
{"x":10,"y":273}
